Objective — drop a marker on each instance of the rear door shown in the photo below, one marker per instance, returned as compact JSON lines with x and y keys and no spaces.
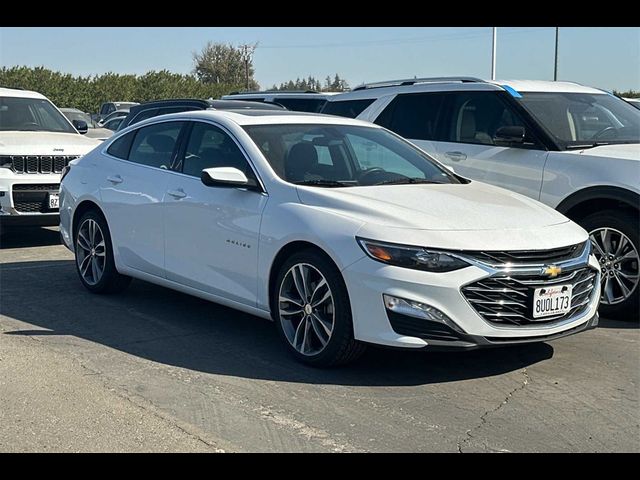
{"x":135,"y":175}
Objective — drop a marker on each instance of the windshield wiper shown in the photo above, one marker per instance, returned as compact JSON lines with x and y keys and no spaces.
{"x":401,"y":181}
{"x":322,"y":183}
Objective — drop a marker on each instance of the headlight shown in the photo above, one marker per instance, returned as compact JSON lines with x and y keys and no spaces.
{"x":411,"y":257}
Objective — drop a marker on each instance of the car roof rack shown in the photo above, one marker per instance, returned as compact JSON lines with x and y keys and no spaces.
{"x":412,"y":81}
{"x":258,"y":92}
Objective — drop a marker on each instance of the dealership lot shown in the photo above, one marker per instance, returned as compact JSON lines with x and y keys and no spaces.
{"x":153,"y":370}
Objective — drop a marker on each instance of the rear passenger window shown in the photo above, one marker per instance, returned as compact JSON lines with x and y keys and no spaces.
{"x":154,"y":145}
{"x":120,"y":148}
{"x":347,"y":108}
{"x":413,"y":115}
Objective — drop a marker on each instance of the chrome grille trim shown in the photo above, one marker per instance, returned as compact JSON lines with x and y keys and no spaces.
{"x":33,"y":164}
{"x":494,"y":300}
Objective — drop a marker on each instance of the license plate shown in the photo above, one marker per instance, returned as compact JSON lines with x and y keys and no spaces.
{"x":548,"y":301}
{"x":54,"y":200}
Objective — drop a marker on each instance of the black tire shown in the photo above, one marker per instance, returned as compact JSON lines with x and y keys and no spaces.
{"x":341,"y":347}
{"x":628,"y":224}
{"x":111,"y":281}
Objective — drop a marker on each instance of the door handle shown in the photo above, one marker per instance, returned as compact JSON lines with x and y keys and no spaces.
{"x":115,"y":179}
{"x":179,"y":193}
{"x":456,"y":156}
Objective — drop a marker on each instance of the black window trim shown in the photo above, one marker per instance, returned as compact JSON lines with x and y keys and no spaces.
{"x":184,"y":140}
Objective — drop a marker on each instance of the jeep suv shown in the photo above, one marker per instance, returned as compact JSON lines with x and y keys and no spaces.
{"x":36,"y":143}
{"x":572,"y":147}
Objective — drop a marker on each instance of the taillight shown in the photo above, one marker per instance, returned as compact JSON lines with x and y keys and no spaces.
{"x":65,"y":170}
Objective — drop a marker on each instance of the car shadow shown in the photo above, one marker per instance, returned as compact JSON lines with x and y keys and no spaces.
{"x":20,"y":237}
{"x":618,"y":324}
{"x":175,"y":329}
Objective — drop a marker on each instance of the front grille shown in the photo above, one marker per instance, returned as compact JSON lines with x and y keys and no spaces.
{"x":36,"y":163}
{"x":507,"y":300}
{"x":528,"y":256}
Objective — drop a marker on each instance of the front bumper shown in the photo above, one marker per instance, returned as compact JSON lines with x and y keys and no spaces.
{"x":368,"y":280}
{"x":24,"y":199}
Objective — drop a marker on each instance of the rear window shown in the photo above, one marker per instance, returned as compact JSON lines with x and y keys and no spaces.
{"x":313,"y":105}
{"x":413,"y":115}
{"x":120,"y":148}
{"x":347,"y":108}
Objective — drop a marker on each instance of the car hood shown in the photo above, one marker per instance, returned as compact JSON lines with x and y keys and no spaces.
{"x":629,"y":151}
{"x":45,"y":143}
{"x":463,"y":216}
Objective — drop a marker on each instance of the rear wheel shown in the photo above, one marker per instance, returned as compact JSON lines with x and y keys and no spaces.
{"x":94,"y":256}
{"x":615,"y":240}
{"x":313,"y":313}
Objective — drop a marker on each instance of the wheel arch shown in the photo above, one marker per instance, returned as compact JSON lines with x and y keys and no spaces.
{"x":285,"y":252}
{"x":588,"y":200}
{"x":82,"y":208}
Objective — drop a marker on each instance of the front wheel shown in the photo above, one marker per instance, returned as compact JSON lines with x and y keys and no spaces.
{"x":94,"y":256}
{"x":312,"y":311}
{"x":614,"y":239}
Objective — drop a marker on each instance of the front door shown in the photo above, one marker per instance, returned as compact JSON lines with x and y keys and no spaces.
{"x":211,"y":233}
{"x":468,"y":143}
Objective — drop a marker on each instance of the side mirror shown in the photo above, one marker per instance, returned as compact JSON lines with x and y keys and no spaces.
{"x":513,"y":134}
{"x":229,"y":177}
{"x":81,"y":126}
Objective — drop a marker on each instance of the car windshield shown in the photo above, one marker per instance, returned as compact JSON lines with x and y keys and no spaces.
{"x":344,"y":156}
{"x":579,"y":120}
{"x":31,"y":114}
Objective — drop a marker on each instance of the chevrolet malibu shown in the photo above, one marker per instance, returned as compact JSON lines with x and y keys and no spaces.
{"x":340,"y":231}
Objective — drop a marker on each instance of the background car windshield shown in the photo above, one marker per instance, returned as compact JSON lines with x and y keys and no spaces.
{"x":31,"y":114}
{"x":344,"y":155}
{"x":578,"y":119}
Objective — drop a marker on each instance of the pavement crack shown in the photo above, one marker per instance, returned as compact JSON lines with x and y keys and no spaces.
{"x":483,"y":418}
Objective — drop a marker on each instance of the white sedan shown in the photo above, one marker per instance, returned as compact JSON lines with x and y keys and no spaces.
{"x":340,"y":231}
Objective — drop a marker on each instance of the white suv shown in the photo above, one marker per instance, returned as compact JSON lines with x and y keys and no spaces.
{"x":36,"y":143}
{"x":572,"y":147}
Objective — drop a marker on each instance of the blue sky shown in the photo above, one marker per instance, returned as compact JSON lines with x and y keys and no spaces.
{"x":602,"y":57}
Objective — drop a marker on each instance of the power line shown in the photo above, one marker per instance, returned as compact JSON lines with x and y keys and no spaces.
{"x":399,"y":41}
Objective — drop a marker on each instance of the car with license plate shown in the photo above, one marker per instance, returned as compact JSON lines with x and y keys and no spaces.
{"x":340,"y":231}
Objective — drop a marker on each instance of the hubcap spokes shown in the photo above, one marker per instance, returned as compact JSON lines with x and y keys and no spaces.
{"x":306,"y":308}
{"x":90,"y":251}
{"x":619,"y":259}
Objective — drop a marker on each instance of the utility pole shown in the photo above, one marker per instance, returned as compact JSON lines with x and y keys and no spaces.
{"x":555,"y":65}
{"x":247,"y":55}
{"x":493,"y":55}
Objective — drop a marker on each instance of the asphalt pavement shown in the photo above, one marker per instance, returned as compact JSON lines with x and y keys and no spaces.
{"x":151,"y":369}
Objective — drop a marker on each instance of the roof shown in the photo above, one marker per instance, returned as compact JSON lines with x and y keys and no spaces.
{"x":277,"y":93}
{"x":262,"y":117}
{"x":547,"y":86}
{"x":14,"y":92}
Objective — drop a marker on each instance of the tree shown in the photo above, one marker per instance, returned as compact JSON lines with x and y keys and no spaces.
{"x":225,"y":64}
{"x":311,"y":83}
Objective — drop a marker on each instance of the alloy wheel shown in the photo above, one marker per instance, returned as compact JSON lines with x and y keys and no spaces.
{"x":619,"y":259}
{"x":306,"y":309}
{"x":91,"y":251}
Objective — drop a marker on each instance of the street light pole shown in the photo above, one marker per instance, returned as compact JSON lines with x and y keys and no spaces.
{"x":555,"y":65}
{"x":493,"y":55}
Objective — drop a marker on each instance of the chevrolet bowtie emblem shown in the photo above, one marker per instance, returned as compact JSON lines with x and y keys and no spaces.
{"x":552,"y":271}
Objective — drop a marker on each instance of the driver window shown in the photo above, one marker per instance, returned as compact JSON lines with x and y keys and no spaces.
{"x":370,"y":155}
{"x":211,"y":147}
